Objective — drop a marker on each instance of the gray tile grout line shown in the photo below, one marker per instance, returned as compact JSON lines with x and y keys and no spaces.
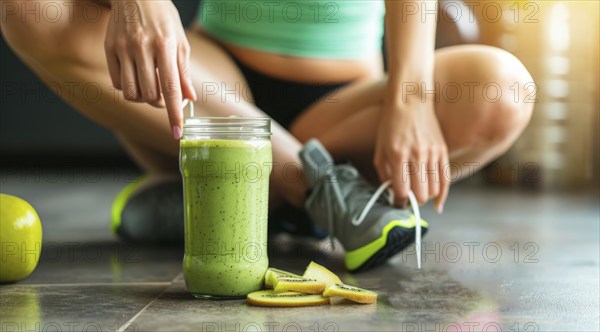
{"x":125,"y":326}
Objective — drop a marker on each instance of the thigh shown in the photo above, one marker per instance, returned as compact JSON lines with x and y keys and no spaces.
{"x":460,"y":75}
{"x":216,"y":76}
{"x":68,"y":54}
{"x":478,"y":124}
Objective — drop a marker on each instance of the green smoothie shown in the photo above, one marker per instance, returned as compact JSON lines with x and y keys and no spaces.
{"x":226,"y":188}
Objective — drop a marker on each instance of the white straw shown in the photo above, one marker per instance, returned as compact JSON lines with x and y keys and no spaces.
{"x":184,"y":103}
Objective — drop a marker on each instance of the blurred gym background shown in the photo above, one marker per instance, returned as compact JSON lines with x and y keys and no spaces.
{"x":557,"y":41}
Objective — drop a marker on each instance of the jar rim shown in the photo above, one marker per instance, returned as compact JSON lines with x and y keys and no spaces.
{"x":255,"y":126}
{"x":229,"y":118}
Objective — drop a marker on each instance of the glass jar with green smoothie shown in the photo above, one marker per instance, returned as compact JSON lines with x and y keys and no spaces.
{"x":225,"y":164}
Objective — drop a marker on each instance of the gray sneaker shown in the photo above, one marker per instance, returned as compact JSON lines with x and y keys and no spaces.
{"x":351,"y":210}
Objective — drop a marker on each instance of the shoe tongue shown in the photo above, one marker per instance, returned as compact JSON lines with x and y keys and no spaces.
{"x":346,"y":172}
{"x":355,"y":188}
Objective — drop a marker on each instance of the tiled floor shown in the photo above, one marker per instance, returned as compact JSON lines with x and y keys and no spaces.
{"x":497,"y":259}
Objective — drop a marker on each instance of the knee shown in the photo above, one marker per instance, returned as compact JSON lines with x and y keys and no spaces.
{"x":20,"y":26}
{"x":38,"y":29}
{"x":25,"y":30}
{"x":508,"y":96}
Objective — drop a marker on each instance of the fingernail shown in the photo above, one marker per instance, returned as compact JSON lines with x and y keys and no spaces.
{"x":176,"y":132}
{"x":440,"y":208}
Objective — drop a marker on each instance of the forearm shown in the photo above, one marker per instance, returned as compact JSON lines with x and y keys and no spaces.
{"x":410,"y":41}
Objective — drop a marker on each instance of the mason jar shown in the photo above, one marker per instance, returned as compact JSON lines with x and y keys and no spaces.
{"x":225,"y":163}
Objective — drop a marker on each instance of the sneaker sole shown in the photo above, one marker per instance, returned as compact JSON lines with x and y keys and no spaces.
{"x":152,"y":215}
{"x":396,"y":236}
{"x":120,"y":202}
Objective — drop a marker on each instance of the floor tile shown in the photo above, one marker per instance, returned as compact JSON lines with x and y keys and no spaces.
{"x":496,"y":259}
{"x":409,"y":299}
{"x":73,"y":308}
{"x":511,"y":261}
{"x":105,"y":262}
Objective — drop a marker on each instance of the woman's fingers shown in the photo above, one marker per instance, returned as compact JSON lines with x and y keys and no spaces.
{"x":149,"y":89}
{"x":419,"y":183}
{"x":183,"y":60}
{"x":401,"y":180}
{"x":424,"y":174}
{"x":432,"y":174}
{"x":140,"y":81}
{"x":128,"y":79}
{"x":170,"y":84}
{"x":114,"y":68}
{"x":143,"y":58}
{"x":381,"y":167}
{"x":444,"y":182}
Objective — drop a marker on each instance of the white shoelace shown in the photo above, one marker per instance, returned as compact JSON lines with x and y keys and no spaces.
{"x":414,"y":206}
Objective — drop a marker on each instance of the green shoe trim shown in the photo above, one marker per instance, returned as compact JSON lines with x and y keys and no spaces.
{"x":120,"y":201}
{"x":358,"y":257}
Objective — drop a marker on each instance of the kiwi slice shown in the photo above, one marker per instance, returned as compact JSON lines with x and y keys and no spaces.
{"x":268,"y":298}
{"x":321,"y":273}
{"x":351,"y":293}
{"x":272,"y":274}
{"x":317,"y":286}
{"x":298,"y":284}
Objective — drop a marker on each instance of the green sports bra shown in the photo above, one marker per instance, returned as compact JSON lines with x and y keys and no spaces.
{"x":340,"y":29}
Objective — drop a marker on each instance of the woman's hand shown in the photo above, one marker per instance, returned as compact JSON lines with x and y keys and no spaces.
{"x":144,"y":36}
{"x":410,"y":150}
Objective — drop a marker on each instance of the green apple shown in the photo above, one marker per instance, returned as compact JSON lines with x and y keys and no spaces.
{"x":20,"y":238}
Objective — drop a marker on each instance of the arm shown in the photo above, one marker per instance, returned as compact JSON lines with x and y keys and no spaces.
{"x":144,"y":37}
{"x":409,"y":137}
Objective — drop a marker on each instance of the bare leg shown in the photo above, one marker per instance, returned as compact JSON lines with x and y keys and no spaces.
{"x":149,"y":159}
{"x":69,"y":55}
{"x":477,"y":126}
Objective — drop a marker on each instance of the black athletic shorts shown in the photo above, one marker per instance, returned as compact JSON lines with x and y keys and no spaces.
{"x":284,"y":100}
